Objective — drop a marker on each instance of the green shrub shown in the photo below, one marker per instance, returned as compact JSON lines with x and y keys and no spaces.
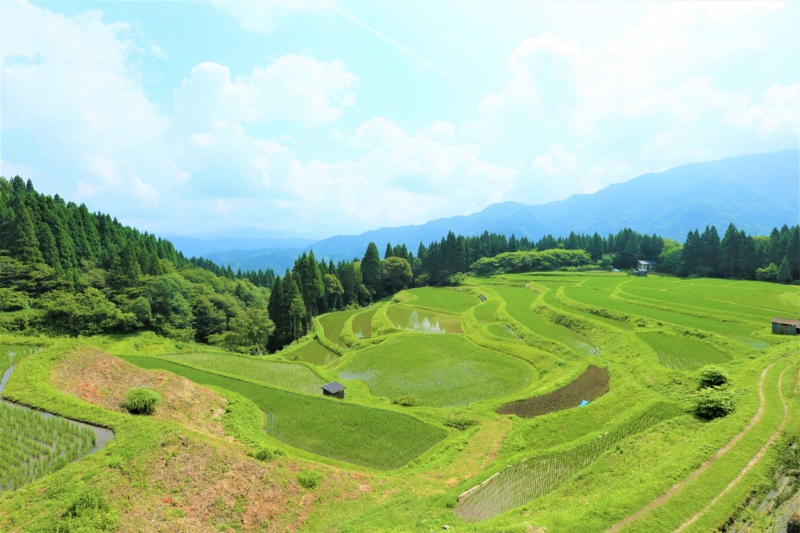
{"x":88,"y":513}
{"x":460,"y":423}
{"x":712,"y":376}
{"x":309,"y":479}
{"x":408,"y":400}
{"x":264,"y":454}
{"x":141,"y":401}
{"x":712,"y":402}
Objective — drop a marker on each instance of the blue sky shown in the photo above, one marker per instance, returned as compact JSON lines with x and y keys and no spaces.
{"x":326,"y":117}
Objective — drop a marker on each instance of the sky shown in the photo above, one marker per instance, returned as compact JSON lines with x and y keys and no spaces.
{"x":336,"y":117}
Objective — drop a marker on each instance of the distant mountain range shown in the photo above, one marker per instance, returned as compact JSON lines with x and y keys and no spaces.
{"x":756,"y":192}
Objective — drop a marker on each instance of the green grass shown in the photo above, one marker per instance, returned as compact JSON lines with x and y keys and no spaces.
{"x":32,"y":446}
{"x":527,"y":480}
{"x":422,"y":320}
{"x":292,"y":376}
{"x":364,"y":436}
{"x":333,"y":323}
{"x":697,"y":304}
{"x":501,"y":331}
{"x":599,"y":298}
{"x":766,"y":298}
{"x":519,"y":302}
{"x":311,"y":352}
{"x":362,"y":324}
{"x":440,"y":370}
{"x":485,"y":312}
{"x":451,"y":300}
{"x":682,"y":353}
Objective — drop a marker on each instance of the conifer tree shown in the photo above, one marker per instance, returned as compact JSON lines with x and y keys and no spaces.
{"x":23,"y":244}
{"x":784,"y":272}
{"x":371,"y":270}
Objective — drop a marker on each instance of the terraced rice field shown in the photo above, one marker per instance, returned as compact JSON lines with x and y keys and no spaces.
{"x":502,"y":332}
{"x":445,"y":299}
{"x":440,"y":370}
{"x":590,"y":385}
{"x":364,"y":436}
{"x":311,"y":352}
{"x":519,"y":303}
{"x":533,"y":478}
{"x":485,"y":312}
{"x":682,"y":353}
{"x":292,"y":376}
{"x":333,"y":323}
{"x":361,"y":324}
{"x":422,"y":320}
{"x":735,"y":331}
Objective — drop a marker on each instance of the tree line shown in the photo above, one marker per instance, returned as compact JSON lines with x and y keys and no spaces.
{"x":65,"y":270}
{"x":736,"y":255}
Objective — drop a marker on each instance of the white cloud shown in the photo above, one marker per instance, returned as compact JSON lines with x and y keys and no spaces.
{"x":261,"y":16}
{"x":292,"y":87}
{"x":556,"y":162}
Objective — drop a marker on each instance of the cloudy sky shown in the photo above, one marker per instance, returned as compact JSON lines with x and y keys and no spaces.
{"x":317,"y":118}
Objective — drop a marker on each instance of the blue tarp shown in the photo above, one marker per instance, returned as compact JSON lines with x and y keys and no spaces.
{"x":584,"y":402}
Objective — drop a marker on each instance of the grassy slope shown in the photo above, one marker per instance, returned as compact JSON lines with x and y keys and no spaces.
{"x":620,"y":482}
{"x":361,"y":435}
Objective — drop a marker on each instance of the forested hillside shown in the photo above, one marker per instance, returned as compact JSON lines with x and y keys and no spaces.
{"x":65,"y":270}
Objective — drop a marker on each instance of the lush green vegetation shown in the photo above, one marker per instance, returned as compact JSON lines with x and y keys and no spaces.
{"x":444,"y":299}
{"x":333,"y":324}
{"x":682,"y":353}
{"x":440,"y":370}
{"x":421,"y":320}
{"x":292,"y":376}
{"x":362,"y":327}
{"x":32,"y":445}
{"x":310,"y":352}
{"x":364,"y":436}
{"x":141,"y":401}
{"x":436,"y":405}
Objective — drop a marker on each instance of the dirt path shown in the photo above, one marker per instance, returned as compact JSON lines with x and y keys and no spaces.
{"x":752,"y":462}
{"x":722,"y":451}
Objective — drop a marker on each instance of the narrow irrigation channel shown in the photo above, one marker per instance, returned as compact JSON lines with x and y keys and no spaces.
{"x":34,"y":443}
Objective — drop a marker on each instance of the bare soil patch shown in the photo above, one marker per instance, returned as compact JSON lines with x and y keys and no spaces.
{"x":102,"y":379}
{"x":588,"y":386}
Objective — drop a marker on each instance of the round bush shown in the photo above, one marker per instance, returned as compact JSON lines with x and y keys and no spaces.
{"x":264,"y":454}
{"x":309,"y":479}
{"x":409,"y":400}
{"x":713,"y":403}
{"x":712,"y":376}
{"x":141,"y":401}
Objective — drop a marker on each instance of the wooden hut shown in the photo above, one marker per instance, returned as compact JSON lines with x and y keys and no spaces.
{"x":334,"y":388}
{"x":482,"y":298}
{"x":647,"y":265}
{"x":785,"y":326}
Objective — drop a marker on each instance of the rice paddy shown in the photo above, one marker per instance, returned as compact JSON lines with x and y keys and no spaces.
{"x":441,"y":371}
{"x":421,"y":320}
{"x":333,"y":323}
{"x":682,"y":353}
{"x":310,"y":352}
{"x":363,"y":436}
{"x":292,"y":376}
{"x":601,"y":426}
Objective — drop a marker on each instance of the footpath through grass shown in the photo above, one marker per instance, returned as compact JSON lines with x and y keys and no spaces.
{"x":355,"y":434}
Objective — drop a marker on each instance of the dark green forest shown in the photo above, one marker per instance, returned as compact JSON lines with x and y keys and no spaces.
{"x":67,"y":271}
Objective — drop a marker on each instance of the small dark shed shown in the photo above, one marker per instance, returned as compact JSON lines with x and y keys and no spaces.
{"x":482,"y":298}
{"x":785,"y":326}
{"x":334,"y":388}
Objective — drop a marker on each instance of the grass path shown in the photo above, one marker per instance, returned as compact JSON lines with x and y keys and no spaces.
{"x":754,"y":461}
{"x":722,"y":451}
